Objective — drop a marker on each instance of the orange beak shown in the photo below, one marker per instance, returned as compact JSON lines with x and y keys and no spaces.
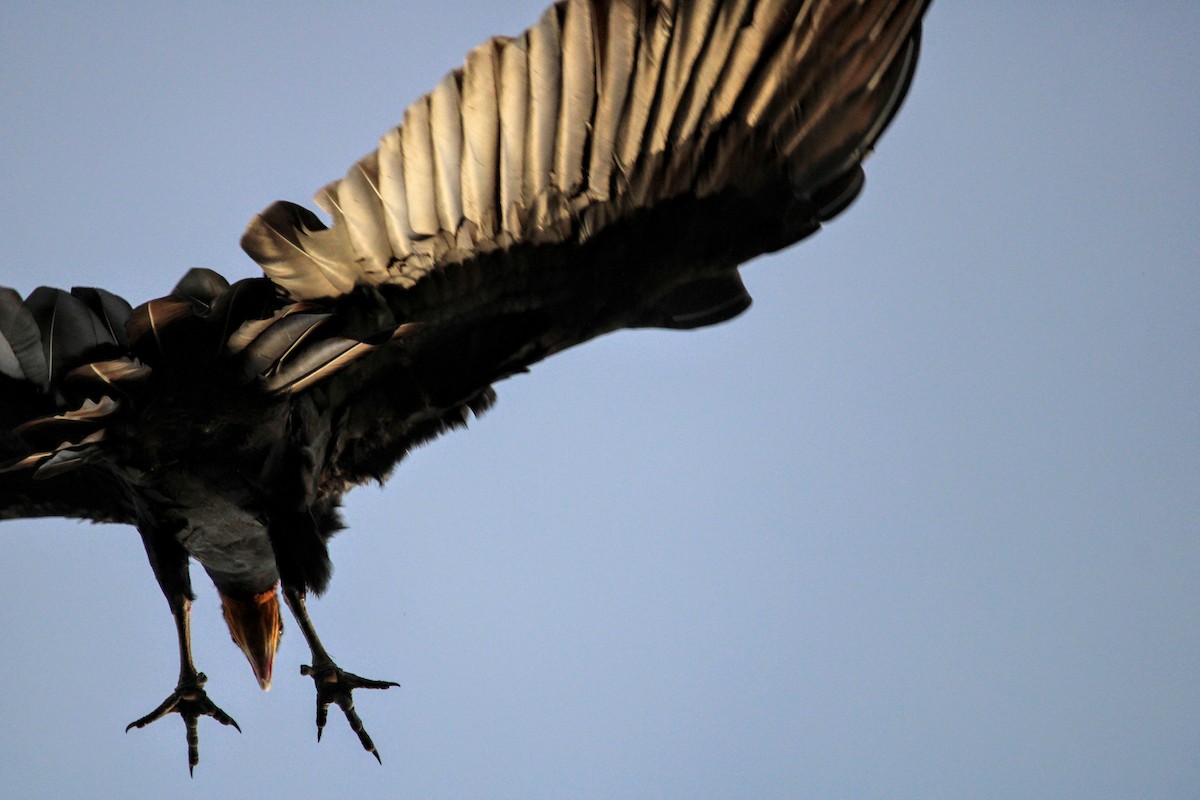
{"x":256,"y":627}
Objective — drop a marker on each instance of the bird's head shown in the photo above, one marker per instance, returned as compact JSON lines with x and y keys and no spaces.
{"x":256,"y":627}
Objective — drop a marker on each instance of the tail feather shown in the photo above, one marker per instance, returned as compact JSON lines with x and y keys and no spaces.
{"x":21,"y":354}
{"x":63,"y":357}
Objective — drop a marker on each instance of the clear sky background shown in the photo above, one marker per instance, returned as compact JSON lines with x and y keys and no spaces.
{"x":921,"y":524}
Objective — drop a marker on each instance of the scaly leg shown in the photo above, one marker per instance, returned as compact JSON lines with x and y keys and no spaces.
{"x":334,"y":684}
{"x":170,"y":564}
{"x":189,"y":699}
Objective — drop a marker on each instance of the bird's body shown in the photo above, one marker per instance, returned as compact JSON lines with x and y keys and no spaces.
{"x":609,"y":169}
{"x":228,"y":540}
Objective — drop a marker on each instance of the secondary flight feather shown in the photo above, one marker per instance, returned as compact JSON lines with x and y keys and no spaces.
{"x":609,"y":168}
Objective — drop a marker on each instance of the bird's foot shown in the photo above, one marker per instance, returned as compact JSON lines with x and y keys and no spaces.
{"x":190,"y":702}
{"x":334,"y":685}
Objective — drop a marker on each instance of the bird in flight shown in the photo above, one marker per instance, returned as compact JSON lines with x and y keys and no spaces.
{"x":609,"y":168}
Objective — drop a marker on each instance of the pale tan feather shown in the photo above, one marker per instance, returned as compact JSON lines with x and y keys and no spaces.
{"x":545,"y":86}
{"x":420,"y":184}
{"x":358,"y":196}
{"x":614,"y":70}
{"x":393,"y":194}
{"x":445,"y":129}
{"x":514,"y":106}
{"x":654,"y":36}
{"x":578,"y":96}
{"x":481,"y":138}
{"x":708,"y":69}
{"x":306,"y":265}
{"x":692,"y":33}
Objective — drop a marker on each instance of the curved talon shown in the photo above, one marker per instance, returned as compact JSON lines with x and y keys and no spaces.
{"x":190,"y":701}
{"x":334,"y":685}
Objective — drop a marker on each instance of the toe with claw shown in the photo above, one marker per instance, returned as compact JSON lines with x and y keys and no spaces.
{"x":334,"y":685}
{"x":189,"y":701}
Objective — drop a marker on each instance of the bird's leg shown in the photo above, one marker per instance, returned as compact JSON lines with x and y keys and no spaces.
{"x":189,"y":699}
{"x":334,"y":684}
{"x":298,"y":526}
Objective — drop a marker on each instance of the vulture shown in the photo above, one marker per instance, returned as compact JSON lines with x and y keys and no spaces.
{"x":609,"y":168}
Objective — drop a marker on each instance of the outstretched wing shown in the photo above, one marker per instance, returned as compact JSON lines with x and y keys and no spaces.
{"x":611,"y":167}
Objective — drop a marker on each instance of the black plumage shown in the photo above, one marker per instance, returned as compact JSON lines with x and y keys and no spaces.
{"x":610,"y":168}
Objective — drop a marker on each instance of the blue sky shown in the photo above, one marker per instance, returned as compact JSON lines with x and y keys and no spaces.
{"x":921,"y":524}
